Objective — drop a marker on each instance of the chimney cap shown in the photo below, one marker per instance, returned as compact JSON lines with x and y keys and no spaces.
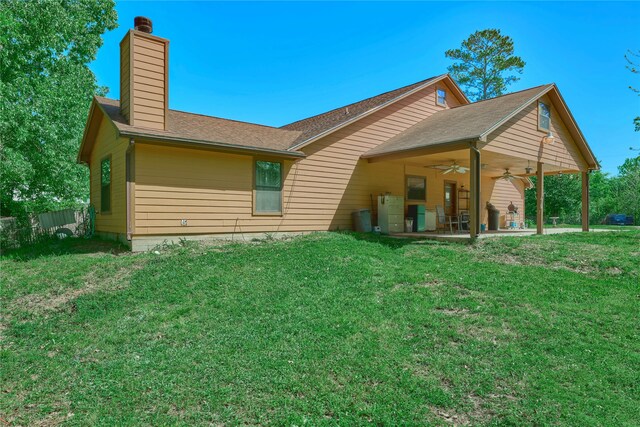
{"x":143,"y":24}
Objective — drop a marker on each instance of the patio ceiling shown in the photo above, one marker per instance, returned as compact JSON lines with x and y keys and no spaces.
{"x":493,"y":164}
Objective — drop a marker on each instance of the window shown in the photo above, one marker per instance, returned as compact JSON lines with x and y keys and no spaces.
{"x":544,"y":116}
{"x":268,"y":188}
{"x":441,"y":97}
{"x":416,"y":188}
{"x":105,"y":185}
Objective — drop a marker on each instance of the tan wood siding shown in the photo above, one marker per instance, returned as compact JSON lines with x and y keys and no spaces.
{"x":213,"y":191}
{"x":125,"y":86}
{"x":520,"y":137}
{"x":143,"y":80}
{"x":501,"y":193}
{"x":107,"y":144}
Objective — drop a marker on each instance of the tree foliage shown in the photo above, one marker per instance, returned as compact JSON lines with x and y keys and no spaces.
{"x":608,"y":194}
{"x":632,"y":65}
{"x":485,"y":64}
{"x":45,"y":91}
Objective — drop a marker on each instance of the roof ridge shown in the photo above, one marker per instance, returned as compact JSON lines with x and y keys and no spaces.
{"x":363,"y":100}
{"x":502,"y":96}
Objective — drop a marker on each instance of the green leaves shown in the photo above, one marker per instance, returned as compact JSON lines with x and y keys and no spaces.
{"x":45,"y":90}
{"x":485,"y":65}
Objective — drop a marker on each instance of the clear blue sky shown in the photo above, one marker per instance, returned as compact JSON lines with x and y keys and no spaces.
{"x":274,"y":63}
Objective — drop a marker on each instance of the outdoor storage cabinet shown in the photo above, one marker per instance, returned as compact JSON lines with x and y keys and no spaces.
{"x":390,"y":214}
{"x":362,"y":220}
{"x":417,"y":213}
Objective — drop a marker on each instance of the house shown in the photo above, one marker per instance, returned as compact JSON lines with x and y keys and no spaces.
{"x":158,"y":174}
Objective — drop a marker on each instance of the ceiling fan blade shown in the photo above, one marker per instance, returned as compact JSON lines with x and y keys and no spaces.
{"x":440,"y":167}
{"x":447,"y":171}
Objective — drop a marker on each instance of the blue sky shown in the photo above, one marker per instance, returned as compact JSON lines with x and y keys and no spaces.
{"x":274,"y":63}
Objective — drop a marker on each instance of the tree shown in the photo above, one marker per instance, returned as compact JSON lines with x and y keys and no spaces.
{"x":45,"y":91}
{"x":485,"y":64}
{"x":632,"y":66}
{"x":629,"y":188}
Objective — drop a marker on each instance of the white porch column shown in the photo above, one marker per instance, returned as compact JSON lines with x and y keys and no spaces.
{"x":474,"y":191}
{"x":540,"y":198}
{"x":585,"y":201}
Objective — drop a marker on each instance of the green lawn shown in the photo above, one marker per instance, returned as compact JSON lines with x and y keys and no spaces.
{"x":326,"y":329}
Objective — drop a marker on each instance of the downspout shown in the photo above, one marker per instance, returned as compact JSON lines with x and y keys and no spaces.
{"x":130,"y":186}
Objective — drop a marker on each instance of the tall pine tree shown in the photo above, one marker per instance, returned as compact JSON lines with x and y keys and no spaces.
{"x":485,"y":64}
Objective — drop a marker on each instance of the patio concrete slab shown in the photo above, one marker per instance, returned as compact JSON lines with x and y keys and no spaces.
{"x":463,"y":238}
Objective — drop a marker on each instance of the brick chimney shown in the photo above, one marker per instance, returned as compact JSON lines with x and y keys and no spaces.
{"x":144,"y":76}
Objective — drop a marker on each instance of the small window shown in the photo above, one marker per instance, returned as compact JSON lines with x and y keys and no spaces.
{"x":441,"y":97}
{"x":268,"y":188}
{"x":544,"y":116}
{"x":105,"y":185}
{"x":416,"y":188}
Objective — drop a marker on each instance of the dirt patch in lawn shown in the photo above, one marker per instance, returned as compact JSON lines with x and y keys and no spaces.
{"x":95,"y":281}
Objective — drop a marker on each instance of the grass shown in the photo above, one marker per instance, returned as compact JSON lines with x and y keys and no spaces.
{"x":326,"y":329}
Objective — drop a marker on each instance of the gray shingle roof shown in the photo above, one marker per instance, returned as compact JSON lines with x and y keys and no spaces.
{"x":206,"y":129}
{"x":318,"y":124}
{"x":466,"y":122}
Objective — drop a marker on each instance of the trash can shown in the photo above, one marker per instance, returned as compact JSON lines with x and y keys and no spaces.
{"x":408,"y":225}
{"x":361,"y":220}
{"x":494,"y":217}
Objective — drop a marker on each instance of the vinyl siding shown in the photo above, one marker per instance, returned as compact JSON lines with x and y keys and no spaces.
{"x":520,"y":137}
{"x":125,"y":83}
{"x":107,"y":144}
{"x":149,"y":70}
{"x":143,"y":80}
{"x":214,"y":191}
{"x":501,"y":193}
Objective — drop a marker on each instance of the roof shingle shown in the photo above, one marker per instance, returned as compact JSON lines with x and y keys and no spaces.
{"x":461,"y":123}
{"x":318,"y":124}
{"x":206,"y":129}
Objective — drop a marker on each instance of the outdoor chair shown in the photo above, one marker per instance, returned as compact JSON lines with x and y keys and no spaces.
{"x":444,"y":220}
{"x":463,"y":222}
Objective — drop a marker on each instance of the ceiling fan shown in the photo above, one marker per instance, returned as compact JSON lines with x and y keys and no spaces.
{"x":453,"y":168}
{"x":508,"y":176}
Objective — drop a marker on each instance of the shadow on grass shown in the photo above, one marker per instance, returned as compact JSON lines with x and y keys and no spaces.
{"x":390,"y":242}
{"x":58,"y":247}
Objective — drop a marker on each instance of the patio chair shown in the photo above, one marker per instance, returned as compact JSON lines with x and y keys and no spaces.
{"x":444,"y":220}
{"x":464,"y":221}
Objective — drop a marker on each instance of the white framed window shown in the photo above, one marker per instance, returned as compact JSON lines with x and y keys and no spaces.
{"x":441,"y":97}
{"x":544,"y":117}
{"x":267,"y":192}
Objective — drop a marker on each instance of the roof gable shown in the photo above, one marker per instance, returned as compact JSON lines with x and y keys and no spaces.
{"x":315,"y":127}
{"x":476,"y":121}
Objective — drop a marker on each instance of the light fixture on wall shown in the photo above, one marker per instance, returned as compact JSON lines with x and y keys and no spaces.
{"x":549,"y":139}
{"x":528,"y":169}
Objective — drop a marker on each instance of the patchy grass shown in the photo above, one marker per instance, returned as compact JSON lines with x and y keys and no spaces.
{"x":325,"y":329}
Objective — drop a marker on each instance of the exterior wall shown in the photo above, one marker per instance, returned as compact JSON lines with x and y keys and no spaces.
{"x":108,"y":145}
{"x":520,"y":137}
{"x":213,"y":191}
{"x":125,"y":77}
{"x":144,"y":79}
{"x":501,"y":193}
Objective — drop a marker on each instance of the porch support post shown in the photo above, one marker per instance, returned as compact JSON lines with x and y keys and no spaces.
{"x":474,"y":191}
{"x":540,"y":198}
{"x":585,"y":201}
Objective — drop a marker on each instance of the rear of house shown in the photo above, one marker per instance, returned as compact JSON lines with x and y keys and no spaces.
{"x":159,"y":174}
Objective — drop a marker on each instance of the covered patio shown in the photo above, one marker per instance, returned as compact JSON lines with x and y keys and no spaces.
{"x":499,"y":144}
